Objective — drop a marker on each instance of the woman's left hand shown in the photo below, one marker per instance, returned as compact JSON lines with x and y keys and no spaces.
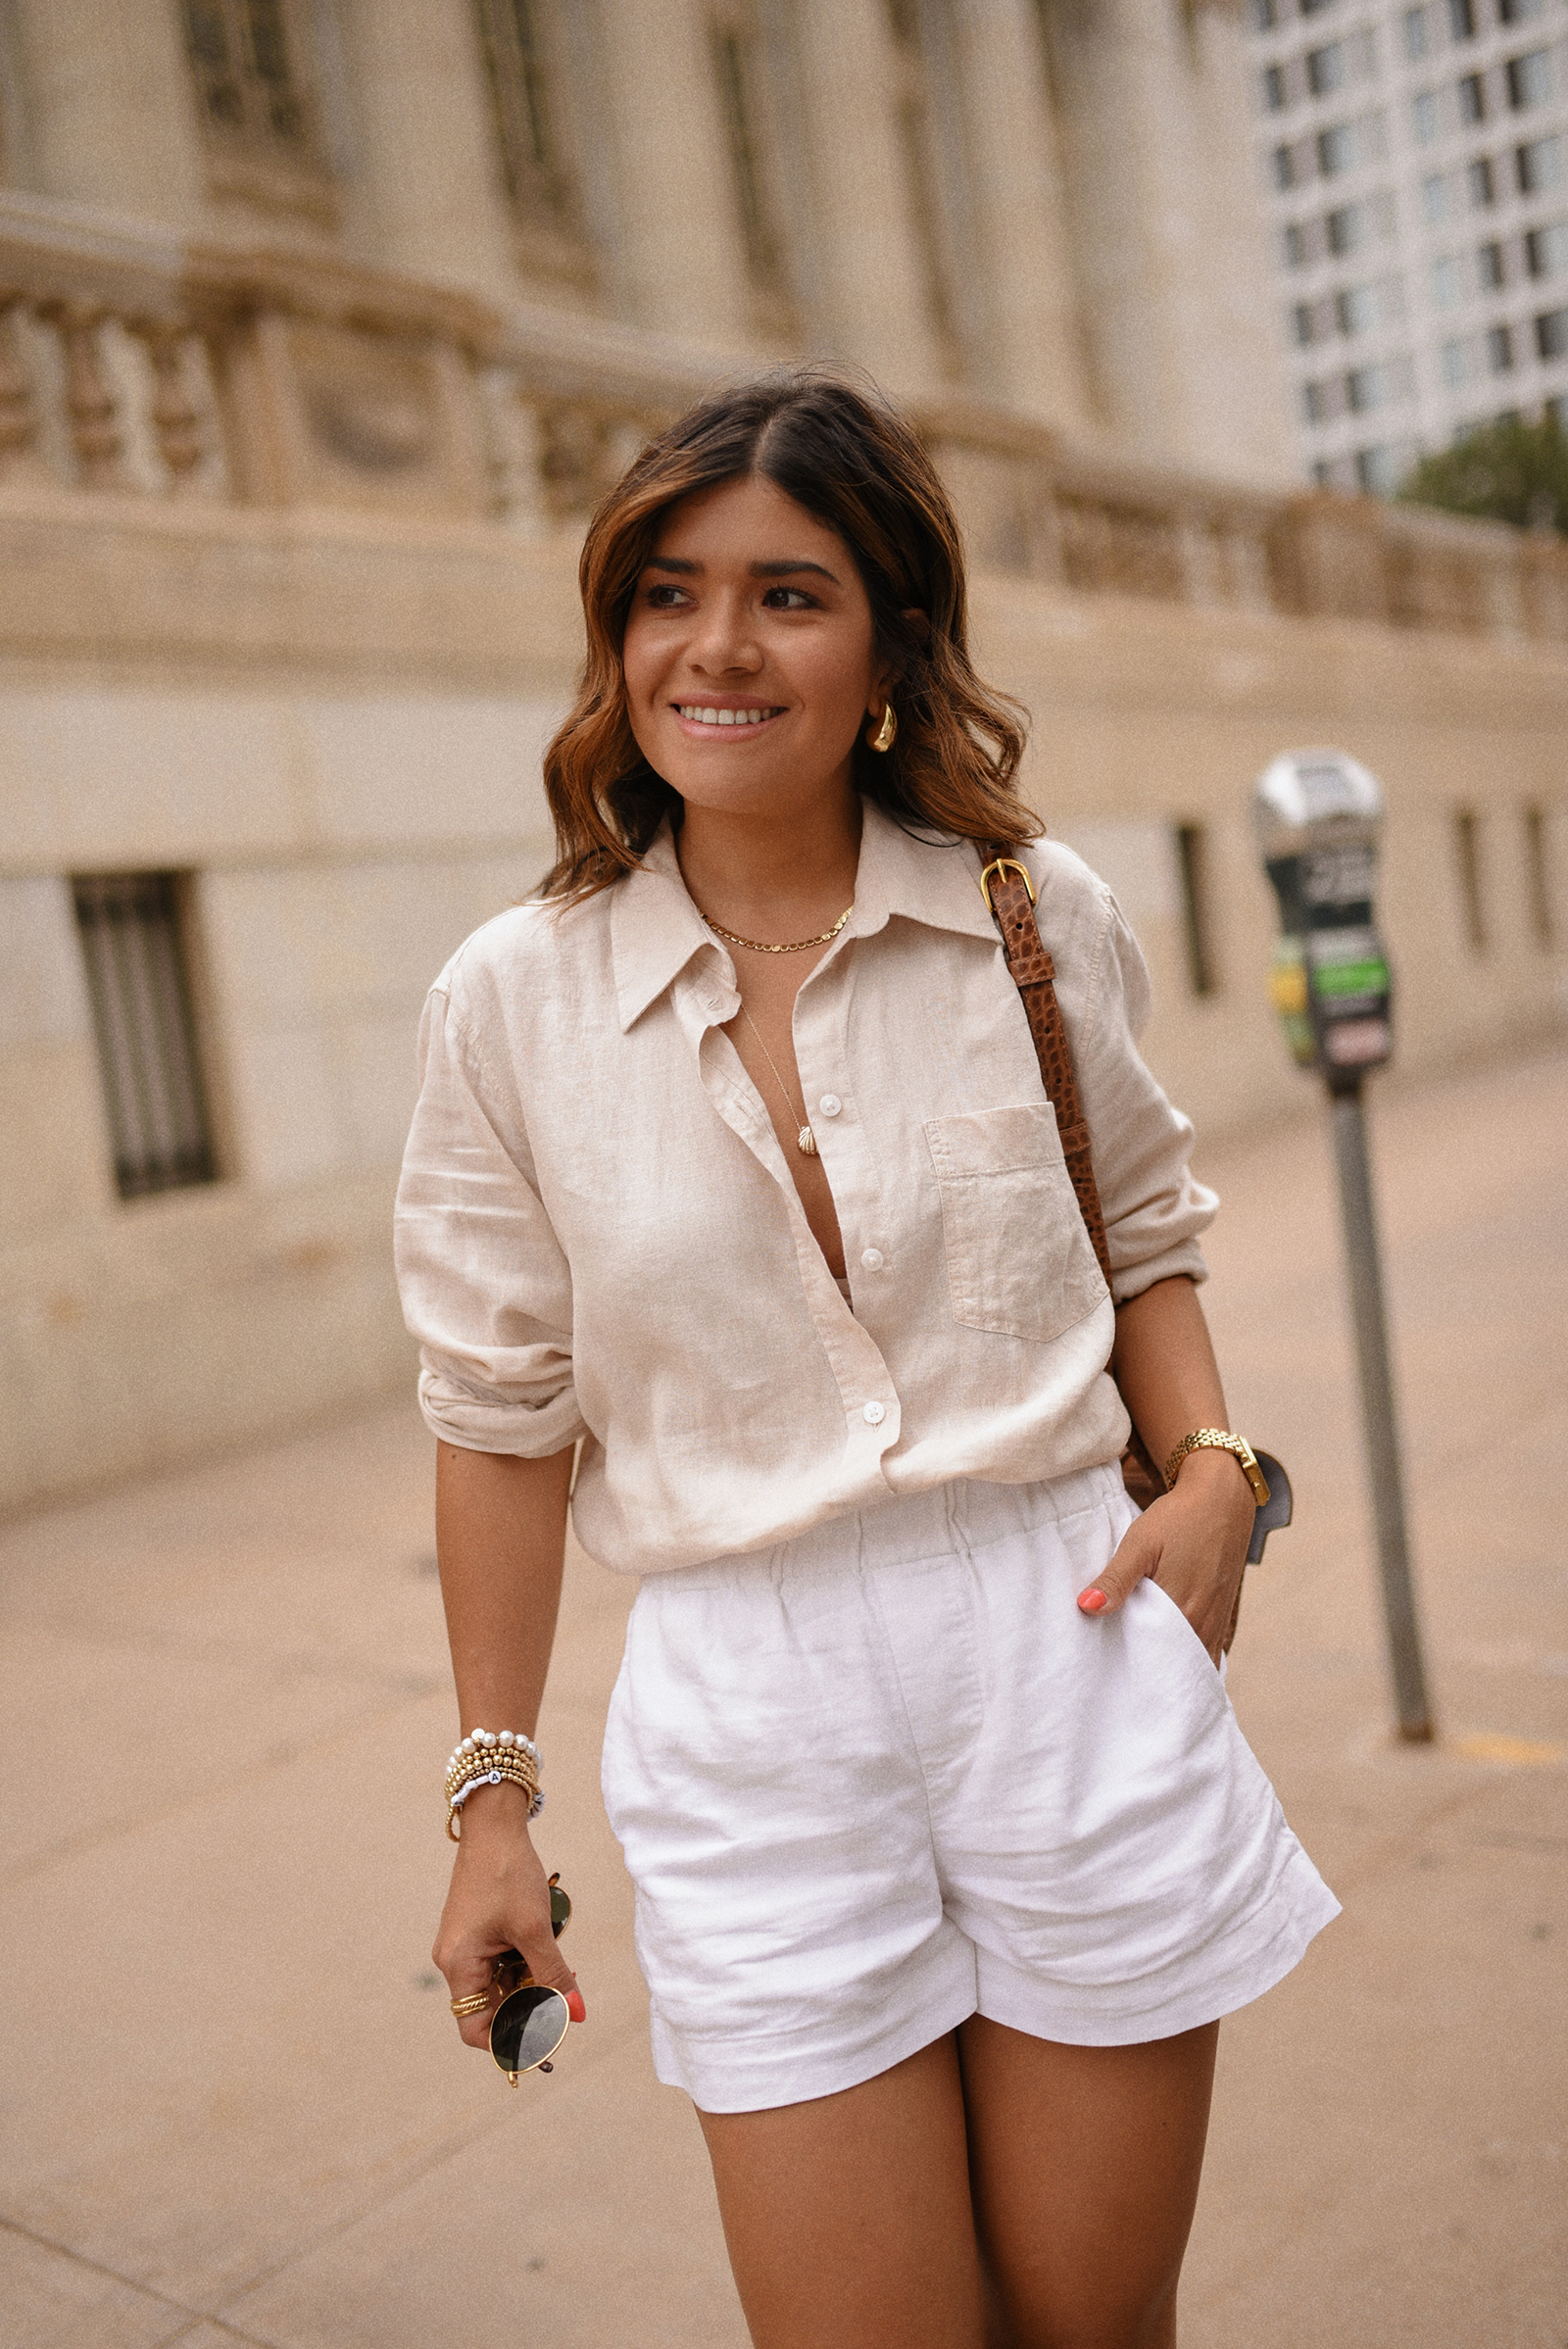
{"x":1192,"y":1542}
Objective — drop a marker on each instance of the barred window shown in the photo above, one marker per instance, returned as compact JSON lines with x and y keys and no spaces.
{"x":139,"y":986}
{"x":245,"y":62}
{"x":514,"y":39}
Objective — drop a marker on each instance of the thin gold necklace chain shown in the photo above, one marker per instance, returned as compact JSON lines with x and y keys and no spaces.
{"x":797,"y":945}
{"x":805,"y":1140}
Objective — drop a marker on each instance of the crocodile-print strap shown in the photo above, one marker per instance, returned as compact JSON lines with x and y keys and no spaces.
{"x":1005,"y":889}
{"x":1034,"y":974}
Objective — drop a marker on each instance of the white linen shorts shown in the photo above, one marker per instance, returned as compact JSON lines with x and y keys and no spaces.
{"x":887,"y":1775}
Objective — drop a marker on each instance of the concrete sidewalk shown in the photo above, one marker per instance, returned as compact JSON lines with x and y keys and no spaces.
{"x":235,"y":2107}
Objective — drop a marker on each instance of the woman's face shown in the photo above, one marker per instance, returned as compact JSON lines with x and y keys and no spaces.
{"x":748,"y":652}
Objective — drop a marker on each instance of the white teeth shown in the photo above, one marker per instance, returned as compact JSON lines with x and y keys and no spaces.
{"x":722,"y":717}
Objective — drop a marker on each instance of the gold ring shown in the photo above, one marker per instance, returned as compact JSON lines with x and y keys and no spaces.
{"x":474,"y":2004}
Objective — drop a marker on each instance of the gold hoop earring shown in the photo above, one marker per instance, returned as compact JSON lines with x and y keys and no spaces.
{"x":881,"y":736}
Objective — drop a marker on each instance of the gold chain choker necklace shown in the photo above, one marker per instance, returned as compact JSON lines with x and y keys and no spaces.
{"x":797,"y":945}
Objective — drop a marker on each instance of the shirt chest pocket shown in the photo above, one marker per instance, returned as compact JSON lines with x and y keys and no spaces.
{"x":1020,"y":1261}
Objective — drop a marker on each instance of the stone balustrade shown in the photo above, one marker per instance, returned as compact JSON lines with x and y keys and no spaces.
{"x":143,"y":367}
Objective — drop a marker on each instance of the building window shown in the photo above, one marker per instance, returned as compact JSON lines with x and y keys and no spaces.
{"x":1480,"y":186}
{"x":1546,"y":249}
{"x":1540,"y":166}
{"x":1192,"y":864}
{"x":1461,"y":19}
{"x":1467,"y":862}
{"x":1424,"y":116}
{"x":1472,"y":93}
{"x":1551,"y":334}
{"x":1520,"y":11}
{"x":1435,"y":199}
{"x":1265,"y":16}
{"x":1274,"y":97}
{"x":1500,"y":350}
{"x":514,"y":38}
{"x":138,"y":981}
{"x":1455,"y":359}
{"x":245,"y":62}
{"x":1490,"y":270}
{"x":1417,"y":35}
{"x":1537,"y":878}
{"x":1447,"y":282}
{"x":1530,"y":80}
{"x":1325,"y":70}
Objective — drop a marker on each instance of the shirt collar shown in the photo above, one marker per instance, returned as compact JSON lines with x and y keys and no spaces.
{"x":656,"y":930}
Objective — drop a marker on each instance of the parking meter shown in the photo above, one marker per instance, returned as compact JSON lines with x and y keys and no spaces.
{"x":1317,"y":816}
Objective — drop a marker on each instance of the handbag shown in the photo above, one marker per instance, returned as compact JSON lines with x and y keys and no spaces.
{"x":1009,"y":897}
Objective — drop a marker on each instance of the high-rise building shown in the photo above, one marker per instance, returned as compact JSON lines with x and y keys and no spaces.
{"x":1416,"y":166}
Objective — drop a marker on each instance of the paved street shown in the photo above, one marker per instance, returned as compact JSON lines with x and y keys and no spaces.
{"x":235,"y":2108}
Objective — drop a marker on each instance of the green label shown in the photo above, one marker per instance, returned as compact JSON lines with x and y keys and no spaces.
{"x":1351,"y":978}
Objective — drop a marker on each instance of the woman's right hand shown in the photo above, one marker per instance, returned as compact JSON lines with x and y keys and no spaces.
{"x":498,"y":1899}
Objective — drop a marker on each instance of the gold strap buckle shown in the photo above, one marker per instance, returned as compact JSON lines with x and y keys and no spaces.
{"x":1002,"y":865}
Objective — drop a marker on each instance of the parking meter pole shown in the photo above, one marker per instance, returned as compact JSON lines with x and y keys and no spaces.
{"x":1377,"y":1411}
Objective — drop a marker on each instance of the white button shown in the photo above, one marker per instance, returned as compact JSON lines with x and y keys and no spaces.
{"x":874,"y":1414}
{"x":830,"y":1104}
{"x":871,"y":1259}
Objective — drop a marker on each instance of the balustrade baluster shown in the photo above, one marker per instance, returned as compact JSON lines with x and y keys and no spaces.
{"x":174,"y":420}
{"x":18,"y":422}
{"x":89,"y":400}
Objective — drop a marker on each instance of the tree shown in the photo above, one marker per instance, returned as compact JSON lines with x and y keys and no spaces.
{"x":1509,"y":471}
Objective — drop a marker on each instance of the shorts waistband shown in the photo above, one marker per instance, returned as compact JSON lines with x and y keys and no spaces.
{"x":961,"y":1515}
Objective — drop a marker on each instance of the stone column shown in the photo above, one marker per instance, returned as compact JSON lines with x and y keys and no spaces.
{"x":1035,"y":359}
{"x":110,"y":112}
{"x":681,"y":264}
{"x":428,"y":144}
{"x":871,"y":295}
{"x":1166,"y":238}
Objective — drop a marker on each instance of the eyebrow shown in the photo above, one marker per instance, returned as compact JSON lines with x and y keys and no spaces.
{"x":758,"y":571}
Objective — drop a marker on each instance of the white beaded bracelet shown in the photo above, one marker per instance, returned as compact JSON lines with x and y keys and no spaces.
{"x":466,"y":1768}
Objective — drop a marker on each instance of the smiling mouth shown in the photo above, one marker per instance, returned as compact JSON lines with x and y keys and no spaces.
{"x":702,"y":714}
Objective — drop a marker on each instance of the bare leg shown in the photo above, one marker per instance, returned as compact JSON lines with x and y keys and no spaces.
{"x":848,"y":2218}
{"x":1085,"y":2163}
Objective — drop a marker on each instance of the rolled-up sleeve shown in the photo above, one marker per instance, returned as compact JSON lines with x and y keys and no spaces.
{"x":486,"y":1284}
{"x":1154,"y":1210}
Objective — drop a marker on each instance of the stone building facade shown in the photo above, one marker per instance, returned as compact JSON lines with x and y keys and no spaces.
{"x":323,"y":324}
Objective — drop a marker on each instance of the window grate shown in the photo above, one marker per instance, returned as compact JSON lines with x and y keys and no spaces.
{"x":518,"y":67}
{"x":143,"y":1021}
{"x":246,"y":73}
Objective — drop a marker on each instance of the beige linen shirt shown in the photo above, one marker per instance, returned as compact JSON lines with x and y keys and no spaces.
{"x":598,"y":1234}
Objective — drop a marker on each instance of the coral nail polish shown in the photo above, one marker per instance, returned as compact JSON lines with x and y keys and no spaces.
{"x":575,"y":2008}
{"x":1092,"y":1601}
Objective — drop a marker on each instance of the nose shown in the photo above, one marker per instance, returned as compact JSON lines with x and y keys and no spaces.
{"x":724,"y":643}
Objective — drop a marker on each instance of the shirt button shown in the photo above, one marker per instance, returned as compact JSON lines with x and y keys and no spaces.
{"x":830,"y":1104}
{"x":871,"y":1259}
{"x":874,"y":1414}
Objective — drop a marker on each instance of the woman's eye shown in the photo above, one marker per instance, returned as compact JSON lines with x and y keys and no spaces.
{"x":666,"y":598}
{"x":788,"y":598}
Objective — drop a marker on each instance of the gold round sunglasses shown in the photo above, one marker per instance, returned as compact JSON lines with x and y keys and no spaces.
{"x":531,"y":2022}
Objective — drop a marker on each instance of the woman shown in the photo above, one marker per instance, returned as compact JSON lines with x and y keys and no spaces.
{"x":733,"y":1164}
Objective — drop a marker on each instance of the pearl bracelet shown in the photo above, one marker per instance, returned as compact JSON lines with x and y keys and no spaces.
{"x":484,"y":1759}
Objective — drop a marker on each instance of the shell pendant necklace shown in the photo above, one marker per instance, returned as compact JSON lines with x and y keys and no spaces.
{"x":805,"y":1140}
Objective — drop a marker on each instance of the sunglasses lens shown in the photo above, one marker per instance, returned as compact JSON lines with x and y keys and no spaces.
{"x":560,"y":1911}
{"x":528,"y":2028}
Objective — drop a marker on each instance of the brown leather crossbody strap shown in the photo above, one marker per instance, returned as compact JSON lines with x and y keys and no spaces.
{"x":1007,"y":889}
{"x":1006,"y":885}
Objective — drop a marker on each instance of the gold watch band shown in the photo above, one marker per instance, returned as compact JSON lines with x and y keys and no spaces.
{"x":1220,"y":1440}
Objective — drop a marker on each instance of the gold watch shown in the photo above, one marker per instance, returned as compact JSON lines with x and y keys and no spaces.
{"x":1220,"y":1440}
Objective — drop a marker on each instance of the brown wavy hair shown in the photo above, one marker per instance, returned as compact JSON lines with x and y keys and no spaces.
{"x":857,"y":466}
